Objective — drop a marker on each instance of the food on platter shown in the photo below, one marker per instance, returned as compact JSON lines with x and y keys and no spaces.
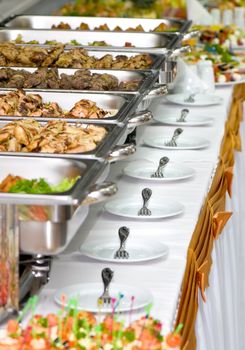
{"x":20,"y":103}
{"x":74,"y":329}
{"x":19,"y":40}
{"x":52,"y":137}
{"x":226,"y":66}
{"x":44,"y":78}
{"x":162,"y":27}
{"x":56,"y":56}
{"x":111,"y":8}
{"x":226,"y":36}
{"x":17,"y":184}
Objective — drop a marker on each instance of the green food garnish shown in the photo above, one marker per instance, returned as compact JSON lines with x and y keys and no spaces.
{"x":41,"y":186}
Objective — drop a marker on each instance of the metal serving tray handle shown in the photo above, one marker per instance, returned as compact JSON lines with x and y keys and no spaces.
{"x":192,"y":34}
{"x":121,"y":152}
{"x":100,"y":192}
{"x":157,"y":90}
{"x":178,"y":52}
{"x":140,"y":118}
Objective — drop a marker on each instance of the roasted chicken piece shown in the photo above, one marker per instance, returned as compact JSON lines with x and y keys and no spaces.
{"x":53,"y":137}
{"x":86,"y":109}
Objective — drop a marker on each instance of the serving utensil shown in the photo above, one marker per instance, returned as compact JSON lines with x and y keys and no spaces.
{"x":146,"y":195}
{"x":121,"y":253}
{"x":107,"y":275}
{"x":173,"y":141}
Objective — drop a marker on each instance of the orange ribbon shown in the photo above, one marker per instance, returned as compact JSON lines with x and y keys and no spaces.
{"x":219,"y":221}
{"x":229,"y":178}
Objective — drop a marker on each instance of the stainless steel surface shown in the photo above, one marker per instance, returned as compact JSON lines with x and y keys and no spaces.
{"x":114,"y":135}
{"x":121,"y":152}
{"x":138,"y":41}
{"x":107,"y":275}
{"x":146,"y":195}
{"x":119,"y":105}
{"x":173,"y":141}
{"x":46,"y":22}
{"x":140,"y":118}
{"x":52,"y":170}
{"x":100,"y":192}
{"x":159,"y":173}
{"x":145,"y":78}
{"x":34,"y":277}
{"x":183,"y":114}
{"x":179,"y":51}
{"x":121,"y":253}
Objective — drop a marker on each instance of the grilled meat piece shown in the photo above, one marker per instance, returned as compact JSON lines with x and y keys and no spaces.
{"x":53,"y":137}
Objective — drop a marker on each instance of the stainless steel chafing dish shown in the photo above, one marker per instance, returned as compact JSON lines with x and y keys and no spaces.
{"x":139,"y":41}
{"x":121,"y":106}
{"x":46,"y":22}
{"x":64,"y":213}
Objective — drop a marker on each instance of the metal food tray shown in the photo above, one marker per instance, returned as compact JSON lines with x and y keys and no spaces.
{"x":46,"y":22}
{"x":120,"y":105}
{"x":158,"y":60}
{"x":61,"y":215}
{"x":139,"y":41}
{"x":53,"y":170}
{"x":144,"y":77}
{"x":115,"y":134}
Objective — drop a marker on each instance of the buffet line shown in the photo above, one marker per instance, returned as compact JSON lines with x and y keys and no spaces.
{"x":66,"y":109}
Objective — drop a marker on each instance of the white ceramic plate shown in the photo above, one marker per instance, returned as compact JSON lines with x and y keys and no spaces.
{"x":200,"y":99}
{"x":139,"y":250}
{"x":130,"y":207}
{"x":172,"y":172}
{"x":87,"y":295}
{"x":191,"y":120}
{"x":183,"y":143}
{"x":231,"y":83}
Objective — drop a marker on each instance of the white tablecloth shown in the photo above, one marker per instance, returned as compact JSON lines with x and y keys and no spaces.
{"x":162,"y":277}
{"x":220,"y":321}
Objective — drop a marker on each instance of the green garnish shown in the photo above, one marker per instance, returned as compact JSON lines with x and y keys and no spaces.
{"x":41,"y":186}
{"x":43,"y":321}
{"x":129,"y":335}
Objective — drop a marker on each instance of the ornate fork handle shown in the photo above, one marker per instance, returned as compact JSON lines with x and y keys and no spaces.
{"x":123,"y":233}
{"x":183,"y":115}
{"x":173,"y":141}
{"x":107,"y":275}
{"x":146,"y":195}
{"x":162,"y":164}
{"x":191,"y":98}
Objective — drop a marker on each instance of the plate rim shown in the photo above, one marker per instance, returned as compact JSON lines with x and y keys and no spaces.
{"x":173,"y":179}
{"x":126,"y":261}
{"x":219,"y":100}
{"x":205,"y":144}
{"x":208,"y":121}
{"x":180,"y":211}
{"x":122,"y":286}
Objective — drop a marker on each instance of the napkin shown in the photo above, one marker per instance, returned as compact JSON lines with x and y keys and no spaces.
{"x":186,"y":80}
{"x":197,"y":13}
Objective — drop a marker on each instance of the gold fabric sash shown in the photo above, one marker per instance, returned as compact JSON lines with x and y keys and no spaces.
{"x":212,"y":219}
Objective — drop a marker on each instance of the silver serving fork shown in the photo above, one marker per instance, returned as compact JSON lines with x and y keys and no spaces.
{"x":172,"y":142}
{"x":183,"y":115}
{"x":107,"y":275}
{"x":162,"y":164}
{"x":121,"y":253}
{"x":190,"y":99}
{"x":146,"y":195}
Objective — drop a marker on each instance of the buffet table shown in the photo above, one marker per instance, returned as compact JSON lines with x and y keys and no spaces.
{"x":164,"y":277}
